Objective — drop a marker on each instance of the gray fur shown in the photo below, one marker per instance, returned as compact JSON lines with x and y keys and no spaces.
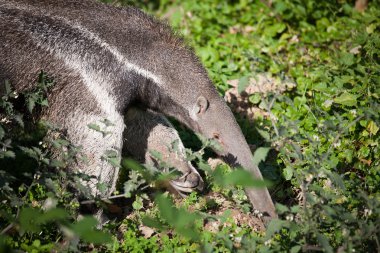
{"x":148,"y":131}
{"x":102,"y":59}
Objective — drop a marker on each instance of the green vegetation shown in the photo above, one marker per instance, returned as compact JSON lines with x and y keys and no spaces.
{"x":316,"y":119}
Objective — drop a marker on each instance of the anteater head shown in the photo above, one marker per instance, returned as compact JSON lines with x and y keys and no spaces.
{"x":212,"y":118}
{"x":189,"y":96}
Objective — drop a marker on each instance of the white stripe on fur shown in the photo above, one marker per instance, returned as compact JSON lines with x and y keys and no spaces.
{"x":114,"y":51}
{"x":94,"y":81}
{"x":120,"y":58}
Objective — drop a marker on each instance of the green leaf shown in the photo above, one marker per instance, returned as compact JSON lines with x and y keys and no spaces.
{"x":132,"y":164}
{"x":372,"y":128}
{"x":8,"y":88}
{"x":137,"y":204}
{"x":288,"y":173}
{"x":371,"y":28}
{"x":111,"y":153}
{"x":165,"y":205}
{"x":260,"y":155}
{"x":364,"y":151}
{"x":85,"y":229}
{"x":329,"y":210}
{"x":53,"y":215}
{"x":180,"y":219}
{"x":347,"y":59}
{"x":31,"y":104}
{"x":295,"y":209}
{"x":84,"y":225}
{"x":19,"y":120}
{"x":281,"y":208}
{"x":128,"y":189}
{"x":155,"y":154}
{"x":153,"y":223}
{"x":9,"y":154}
{"x":324,"y":242}
{"x":107,"y":123}
{"x":204,"y":166}
{"x":273,"y":30}
{"x":218,"y":176}
{"x":274,"y":226}
{"x":28,"y":219}
{"x":337,"y":180}
{"x":295,"y":249}
{"x":255,"y":98}
{"x":2,"y":133}
{"x":363,"y":123}
{"x":44,"y":102}
{"x":244,"y":178}
{"x":264,"y":134}
{"x":114,"y":161}
{"x":347,"y":99}
{"x":243,"y":84}
{"x":111,"y":156}
{"x":136,"y":166}
{"x":56,"y":163}
{"x":37,"y":243}
{"x":97,"y":237}
{"x":102,"y":187}
{"x":95,"y":127}
{"x":30,"y":152}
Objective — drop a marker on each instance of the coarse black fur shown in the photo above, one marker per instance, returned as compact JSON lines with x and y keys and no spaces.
{"x":103,"y":58}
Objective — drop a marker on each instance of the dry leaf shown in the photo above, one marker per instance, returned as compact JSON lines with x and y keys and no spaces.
{"x":214,"y":162}
{"x":248,"y":29}
{"x":146,"y":231}
{"x":212,"y":226}
{"x":355,"y":50}
{"x":261,"y":83}
{"x":234,"y":29}
{"x":237,"y":215}
{"x":294,"y":39}
{"x":361,"y":5}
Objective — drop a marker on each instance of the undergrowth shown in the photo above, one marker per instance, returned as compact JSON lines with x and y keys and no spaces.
{"x":319,"y":142}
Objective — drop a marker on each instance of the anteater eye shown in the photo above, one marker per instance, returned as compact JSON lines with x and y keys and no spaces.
{"x":216,"y":136}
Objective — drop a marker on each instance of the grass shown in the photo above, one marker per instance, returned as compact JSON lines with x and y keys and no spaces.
{"x":319,"y":118}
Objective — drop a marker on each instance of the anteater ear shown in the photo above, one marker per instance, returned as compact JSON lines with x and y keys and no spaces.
{"x":201,"y":105}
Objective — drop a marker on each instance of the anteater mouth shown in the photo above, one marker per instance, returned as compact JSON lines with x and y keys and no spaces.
{"x":188,"y":183}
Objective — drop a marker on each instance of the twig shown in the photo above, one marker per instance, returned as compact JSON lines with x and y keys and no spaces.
{"x":377,"y":244}
{"x":86,"y":202}
{"x":12,"y":224}
{"x":311,"y":247}
{"x":7,"y":228}
{"x":272,"y":117}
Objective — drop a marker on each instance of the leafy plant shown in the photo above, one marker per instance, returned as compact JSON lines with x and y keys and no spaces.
{"x":38,"y":205}
{"x":319,"y":140}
